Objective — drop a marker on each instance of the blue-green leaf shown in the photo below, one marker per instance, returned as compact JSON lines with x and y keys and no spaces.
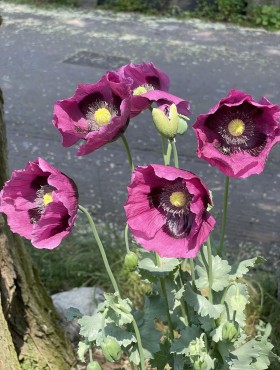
{"x":241,"y":268}
{"x":220,"y":270}
{"x":90,"y":326}
{"x":72,"y":313}
{"x":202,"y":305}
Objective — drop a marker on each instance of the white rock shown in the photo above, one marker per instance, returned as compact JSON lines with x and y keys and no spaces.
{"x":85,"y":299}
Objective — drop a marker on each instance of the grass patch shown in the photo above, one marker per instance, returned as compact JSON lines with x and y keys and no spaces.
{"x":77,"y":262}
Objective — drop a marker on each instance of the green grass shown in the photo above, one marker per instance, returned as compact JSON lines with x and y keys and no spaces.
{"x":77,"y":261}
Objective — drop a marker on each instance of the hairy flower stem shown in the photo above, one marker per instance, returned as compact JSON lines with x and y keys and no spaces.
{"x":114,"y":283}
{"x":128,"y":153}
{"x":210,"y":270}
{"x":166,"y":153}
{"x":221,"y":246}
{"x":90,"y":355}
{"x":182,"y":302}
{"x":175,"y":154}
{"x":163,"y":288}
{"x":210,"y":275}
{"x":192,"y":274}
{"x":139,"y":344}
{"x":126,"y":238}
{"x":101,"y":249}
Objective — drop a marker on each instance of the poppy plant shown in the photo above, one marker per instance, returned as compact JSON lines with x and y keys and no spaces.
{"x":41,"y":204}
{"x":237,"y":134}
{"x":166,"y":211}
{"x":97,"y":113}
{"x":148,"y":85}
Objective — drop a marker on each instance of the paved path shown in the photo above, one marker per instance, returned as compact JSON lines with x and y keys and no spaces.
{"x":45,"y":54}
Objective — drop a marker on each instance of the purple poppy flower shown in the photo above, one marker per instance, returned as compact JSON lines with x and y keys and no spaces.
{"x":97,"y":113}
{"x":166,"y":211}
{"x":41,"y":204}
{"x":237,"y":134}
{"x":149,"y":84}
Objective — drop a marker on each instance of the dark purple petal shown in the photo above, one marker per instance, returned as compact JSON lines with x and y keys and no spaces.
{"x":145,"y":74}
{"x":22,"y":200}
{"x":170,"y":229}
{"x":238,"y":153}
{"x":73,"y":116}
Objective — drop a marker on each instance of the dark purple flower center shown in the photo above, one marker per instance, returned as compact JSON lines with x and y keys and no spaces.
{"x":236,"y":129}
{"x":173,"y":202}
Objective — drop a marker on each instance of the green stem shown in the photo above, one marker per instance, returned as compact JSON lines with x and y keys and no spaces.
{"x":192,"y":273}
{"x":166,"y":153}
{"x":90,"y":355}
{"x":139,"y":343}
{"x":131,"y":364}
{"x":210,"y":271}
{"x":101,"y":248}
{"x":210,"y":275}
{"x":113,"y":281}
{"x":175,"y":154}
{"x":221,"y":246}
{"x":182,"y":302}
{"x":126,"y":238}
{"x":163,"y":288}
{"x":129,"y":157}
{"x":163,"y":148}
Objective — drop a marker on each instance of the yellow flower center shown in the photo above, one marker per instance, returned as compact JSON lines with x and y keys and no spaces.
{"x":178,"y":199}
{"x":236,"y":127}
{"x":102,"y":116}
{"x":140,"y":90}
{"x":47,"y":198}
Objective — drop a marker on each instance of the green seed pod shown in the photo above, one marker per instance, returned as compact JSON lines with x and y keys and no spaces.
{"x":131,"y":261}
{"x":94,"y":366}
{"x":230,"y":331}
{"x":111,"y":350}
{"x":167,"y":125}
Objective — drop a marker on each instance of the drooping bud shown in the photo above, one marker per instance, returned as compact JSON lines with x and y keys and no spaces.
{"x":111,"y":350}
{"x":200,"y":365}
{"x":94,"y":366}
{"x":230,"y":331}
{"x":166,"y":122}
{"x":131,"y":261}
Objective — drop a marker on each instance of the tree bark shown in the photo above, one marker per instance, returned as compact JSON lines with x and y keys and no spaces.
{"x":30,"y":335}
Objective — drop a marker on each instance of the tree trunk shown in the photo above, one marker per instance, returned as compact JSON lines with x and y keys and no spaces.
{"x":30,"y":335}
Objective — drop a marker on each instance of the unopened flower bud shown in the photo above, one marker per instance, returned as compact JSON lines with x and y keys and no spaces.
{"x":111,"y":350}
{"x":230,"y":331}
{"x":131,"y":261}
{"x":196,"y":347}
{"x":182,"y":124}
{"x":200,"y":365}
{"x":94,"y":366}
{"x":166,"y":122}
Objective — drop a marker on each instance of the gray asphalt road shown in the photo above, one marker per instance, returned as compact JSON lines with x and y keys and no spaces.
{"x":45,"y":54}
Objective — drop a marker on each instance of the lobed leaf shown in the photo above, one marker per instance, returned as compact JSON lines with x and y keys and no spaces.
{"x":240,"y":269}
{"x":90,"y":326}
{"x":220,"y":270}
{"x":202,"y":305}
